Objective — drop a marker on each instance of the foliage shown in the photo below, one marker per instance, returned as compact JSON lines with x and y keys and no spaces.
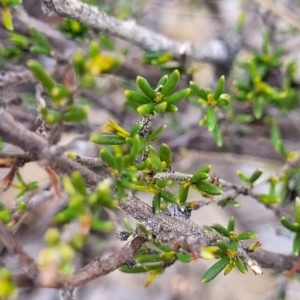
{"x":135,"y":158}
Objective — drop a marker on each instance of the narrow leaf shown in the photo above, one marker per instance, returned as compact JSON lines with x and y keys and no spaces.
{"x":145,"y":87}
{"x":247,"y":235}
{"x":241,"y":266}
{"x":103,"y":139}
{"x":171,"y":83}
{"x":216,"y":269}
{"x":208,"y":188}
{"x":220,"y":229}
{"x":219,"y":87}
{"x":296,"y":244}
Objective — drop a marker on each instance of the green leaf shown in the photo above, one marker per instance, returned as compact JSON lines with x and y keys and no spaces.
{"x":220,"y":229}
{"x":41,"y":41}
{"x":13,"y":2}
{"x":108,"y":157}
{"x":211,"y":118}
{"x":157,"y":132}
{"x":266,"y":42}
{"x":156,"y":203}
{"x":281,"y":149}
{"x":217,"y":135}
{"x":172,"y":108}
{"x":68,"y":186}
{"x":178,"y":96}
{"x":297,"y":210}
{"x":79,"y":63}
{"x":208,"y":188}
{"x":257,"y":108}
{"x":199,"y":176}
{"x":222,"y":203}
{"x":8,"y":287}
{"x":294,"y":227}
{"x":76,"y":203}
{"x":223,"y":100}
{"x":247,"y":235}
{"x":5,"y":215}
{"x":183,"y":257}
{"x":142,"y":228}
{"x":219,"y":88}
{"x":242,"y":267}
{"x":65,"y":216}
{"x":171,"y":83}
{"x":40,"y":73}
{"x":296,"y":244}
{"x":38,"y":50}
{"x":19,"y":39}
{"x":148,"y":258}
{"x":161,"y":107}
{"x":243,"y":118}
{"x":146,"y":109}
{"x":205,"y":169}
{"x":162,"y":247}
{"x":199,"y":92}
{"x":183,"y":193}
{"x":60,"y":92}
{"x":153,"y":274}
{"x":107,"y":42}
{"x":100,"y":225}
{"x":162,"y":81}
{"x":51,"y":116}
{"x":223,"y":247}
{"x":228,"y":269}
{"x":78,"y":182}
{"x":275,"y":135}
{"x":134,"y":150}
{"x":76,"y":114}
{"x":165,"y":154}
{"x":94,"y":49}
{"x":87,"y":81}
{"x":155,"y":160}
{"x":267,"y":199}
{"x":135,"y":269}
{"x":22,"y":206}
{"x":108,"y":201}
{"x":242,"y":176}
{"x":136,"y":97}
{"x":144,"y":164}
{"x":234,"y":203}
{"x":20,"y":178}
{"x":135,"y":129}
{"x":105,"y":139}
{"x":255,"y":175}
{"x":216,"y":269}
{"x":145,"y":87}
{"x":162,"y":183}
{"x":7,"y":18}
{"x":169,"y":197}
{"x":231,"y":224}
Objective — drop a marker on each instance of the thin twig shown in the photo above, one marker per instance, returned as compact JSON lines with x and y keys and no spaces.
{"x":32,"y":199}
{"x":97,"y":268}
{"x":87,"y":160}
{"x":19,"y":159}
{"x":216,"y":51}
{"x":14,"y":133}
{"x":28,"y":264}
